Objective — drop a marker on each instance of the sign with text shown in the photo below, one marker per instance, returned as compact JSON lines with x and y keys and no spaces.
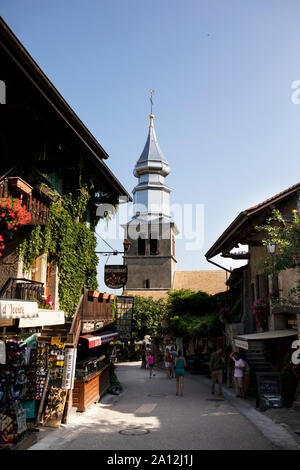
{"x":124,"y":312}
{"x":18,"y":309}
{"x":115,"y":276}
{"x":69,"y":368}
{"x":268,"y":390}
{"x":241,"y":344}
{"x":45,"y":317}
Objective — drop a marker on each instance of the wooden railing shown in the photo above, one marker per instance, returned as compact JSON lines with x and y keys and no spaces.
{"x":93,"y":307}
{"x":22,"y":289}
{"x":39,"y":211}
{"x":75,"y":329}
{"x":97,"y":306}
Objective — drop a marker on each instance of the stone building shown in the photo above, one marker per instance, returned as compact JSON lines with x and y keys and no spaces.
{"x":151,"y":258}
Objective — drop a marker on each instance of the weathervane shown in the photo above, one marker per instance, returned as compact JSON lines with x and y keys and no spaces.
{"x":151,"y":101}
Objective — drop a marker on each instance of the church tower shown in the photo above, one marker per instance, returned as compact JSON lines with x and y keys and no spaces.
{"x":151,"y":257}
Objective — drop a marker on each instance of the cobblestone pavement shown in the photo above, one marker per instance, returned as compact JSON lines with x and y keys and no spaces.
{"x":148,"y":415}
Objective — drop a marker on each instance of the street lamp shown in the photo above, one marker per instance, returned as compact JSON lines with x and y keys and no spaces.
{"x":271,"y":248}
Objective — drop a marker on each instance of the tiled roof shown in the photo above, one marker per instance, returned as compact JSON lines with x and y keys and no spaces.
{"x":286,"y":192}
{"x":210,"y":281}
{"x":156,"y":294}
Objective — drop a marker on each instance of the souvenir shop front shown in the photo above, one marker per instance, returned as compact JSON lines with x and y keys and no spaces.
{"x":93,"y":367}
{"x":31,"y":371}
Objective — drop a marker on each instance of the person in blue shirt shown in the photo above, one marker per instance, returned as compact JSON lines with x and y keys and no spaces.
{"x":180,"y":364}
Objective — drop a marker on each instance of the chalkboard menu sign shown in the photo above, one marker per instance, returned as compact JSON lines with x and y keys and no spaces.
{"x":124,"y":312}
{"x":268,"y":390}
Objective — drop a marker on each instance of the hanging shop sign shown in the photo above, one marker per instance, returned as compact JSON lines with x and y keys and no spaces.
{"x":115,"y":276}
{"x":124,"y":312}
{"x":16,"y":309}
{"x":69,"y":368}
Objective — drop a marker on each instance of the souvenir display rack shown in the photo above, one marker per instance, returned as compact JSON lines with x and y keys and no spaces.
{"x":17,"y":387}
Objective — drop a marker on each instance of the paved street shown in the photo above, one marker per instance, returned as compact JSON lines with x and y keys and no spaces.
{"x":148,"y":415}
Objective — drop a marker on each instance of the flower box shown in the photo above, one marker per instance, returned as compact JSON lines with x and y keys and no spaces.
{"x":47,"y":192}
{"x":19,"y":185}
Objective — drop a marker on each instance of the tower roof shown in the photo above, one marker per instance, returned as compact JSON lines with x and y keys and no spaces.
{"x":152,"y":158}
{"x":152,"y":150}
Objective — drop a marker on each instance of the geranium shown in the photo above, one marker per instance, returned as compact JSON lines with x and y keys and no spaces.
{"x":14,"y":214}
{"x":225,"y":313}
{"x":44,"y":302}
{"x":260,"y":312}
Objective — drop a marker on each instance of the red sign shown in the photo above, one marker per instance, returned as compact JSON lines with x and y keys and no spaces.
{"x":95,"y":341}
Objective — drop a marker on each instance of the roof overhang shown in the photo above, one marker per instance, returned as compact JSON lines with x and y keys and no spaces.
{"x":244,"y":224}
{"x":242,"y":341}
{"x":26,"y":65}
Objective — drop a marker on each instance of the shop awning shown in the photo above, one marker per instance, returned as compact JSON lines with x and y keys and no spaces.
{"x":242,"y":341}
{"x":98,"y":340}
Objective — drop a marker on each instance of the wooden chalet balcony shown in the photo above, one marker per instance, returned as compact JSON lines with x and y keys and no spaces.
{"x":37,"y":200}
{"x":39,"y":211}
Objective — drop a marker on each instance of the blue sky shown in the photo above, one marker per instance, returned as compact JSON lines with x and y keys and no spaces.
{"x":222,"y":72}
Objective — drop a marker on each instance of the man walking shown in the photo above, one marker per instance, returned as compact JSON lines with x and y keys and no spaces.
{"x":216,"y":368}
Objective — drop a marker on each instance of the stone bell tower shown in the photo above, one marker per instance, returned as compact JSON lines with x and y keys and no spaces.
{"x":151,"y":257}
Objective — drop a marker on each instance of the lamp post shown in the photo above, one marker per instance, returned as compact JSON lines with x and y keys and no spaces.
{"x":271,"y":247}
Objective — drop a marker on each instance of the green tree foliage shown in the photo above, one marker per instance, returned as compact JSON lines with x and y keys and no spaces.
{"x":193,"y":313}
{"x":148,"y":315}
{"x":71,"y":245}
{"x":284,"y":233}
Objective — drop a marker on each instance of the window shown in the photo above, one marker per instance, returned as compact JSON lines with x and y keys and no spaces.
{"x":147,"y":283}
{"x":153,"y":246}
{"x":141,"y":246}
